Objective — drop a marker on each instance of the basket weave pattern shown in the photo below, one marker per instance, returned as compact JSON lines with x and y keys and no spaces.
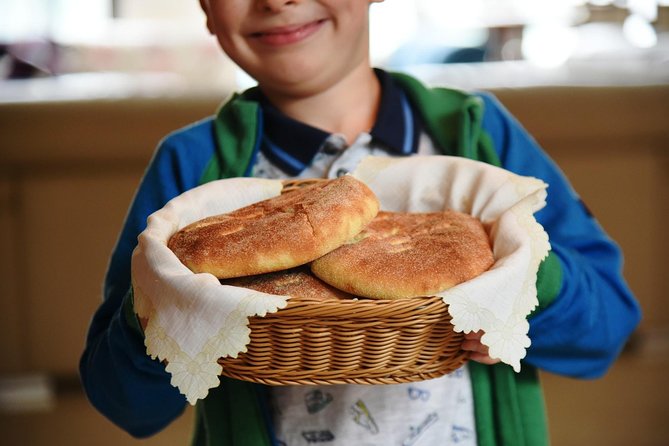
{"x":348,"y":341}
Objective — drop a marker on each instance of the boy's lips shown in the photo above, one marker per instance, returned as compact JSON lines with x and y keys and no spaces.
{"x":286,"y":35}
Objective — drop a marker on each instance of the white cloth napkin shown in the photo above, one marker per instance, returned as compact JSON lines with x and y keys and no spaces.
{"x":194,"y":320}
{"x":498,"y":301}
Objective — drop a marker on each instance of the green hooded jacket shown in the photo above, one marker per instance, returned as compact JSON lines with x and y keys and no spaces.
{"x":509,"y":407}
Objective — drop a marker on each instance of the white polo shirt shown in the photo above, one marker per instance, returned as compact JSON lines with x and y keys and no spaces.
{"x":427,"y":413}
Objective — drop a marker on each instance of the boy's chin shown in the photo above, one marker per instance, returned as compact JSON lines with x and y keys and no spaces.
{"x":294,"y":84}
{"x":304,"y":81}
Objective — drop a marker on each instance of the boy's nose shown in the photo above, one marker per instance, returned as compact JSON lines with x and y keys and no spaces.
{"x":276,"y":5}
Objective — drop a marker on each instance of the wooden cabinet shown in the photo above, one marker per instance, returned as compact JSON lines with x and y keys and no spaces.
{"x":12,"y":342}
{"x":68,"y":171}
{"x":69,"y":224}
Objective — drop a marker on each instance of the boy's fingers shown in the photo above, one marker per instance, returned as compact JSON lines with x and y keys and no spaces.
{"x":474,"y":346}
{"x":479,"y":351}
{"x":474,"y":335}
{"x":483,"y":359}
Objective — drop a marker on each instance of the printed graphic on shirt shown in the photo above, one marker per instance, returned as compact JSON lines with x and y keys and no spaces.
{"x":461,"y":433}
{"x":363,"y":417}
{"x":457,"y":373}
{"x":461,"y":398}
{"x":416,"y":432}
{"x":316,"y":401}
{"x":322,"y":436}
{"x":418,"y":394}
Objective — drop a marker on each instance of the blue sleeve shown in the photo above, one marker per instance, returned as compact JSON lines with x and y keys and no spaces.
{"x":582,"y":332}
{"x":119,"y":378}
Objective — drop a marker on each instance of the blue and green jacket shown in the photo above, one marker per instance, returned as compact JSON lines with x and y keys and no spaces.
{"x":585,"y":316}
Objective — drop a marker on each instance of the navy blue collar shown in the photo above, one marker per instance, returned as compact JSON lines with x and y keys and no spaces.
{"x":292,"y":145}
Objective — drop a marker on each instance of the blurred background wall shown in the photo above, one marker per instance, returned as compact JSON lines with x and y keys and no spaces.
{"x":87,"y":89}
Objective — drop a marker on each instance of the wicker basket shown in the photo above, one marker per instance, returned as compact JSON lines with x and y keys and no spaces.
{"x":346,"y":341}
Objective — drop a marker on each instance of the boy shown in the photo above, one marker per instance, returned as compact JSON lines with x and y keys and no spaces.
{"x":320,"y":108}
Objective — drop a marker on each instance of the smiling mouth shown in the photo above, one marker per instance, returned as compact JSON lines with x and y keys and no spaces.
{"x":288,"y":34}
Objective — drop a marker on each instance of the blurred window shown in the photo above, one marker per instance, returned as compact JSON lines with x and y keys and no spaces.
{"x":49,"y":37}
{"x":53,"y":19}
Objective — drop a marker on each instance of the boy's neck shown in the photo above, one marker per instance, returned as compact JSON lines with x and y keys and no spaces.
{"x":347,"y":107}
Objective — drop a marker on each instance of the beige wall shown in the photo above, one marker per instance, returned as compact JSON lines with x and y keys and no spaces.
{"x":68,"y":171}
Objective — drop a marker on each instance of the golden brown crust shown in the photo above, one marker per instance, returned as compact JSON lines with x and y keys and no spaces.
{"x":279,"y":233}
{"x":296,"y":282}
{"x":407,"y":255}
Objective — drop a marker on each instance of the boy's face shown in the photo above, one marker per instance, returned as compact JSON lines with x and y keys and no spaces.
{"x":297,"y":47}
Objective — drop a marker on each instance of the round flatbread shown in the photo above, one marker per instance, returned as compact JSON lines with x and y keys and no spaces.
{"x":282,"y":232}
{"x":297,"y":282}
{"x":402,"y":255}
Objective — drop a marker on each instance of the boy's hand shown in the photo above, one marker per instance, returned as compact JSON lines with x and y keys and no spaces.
{"x":479,"y":352}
